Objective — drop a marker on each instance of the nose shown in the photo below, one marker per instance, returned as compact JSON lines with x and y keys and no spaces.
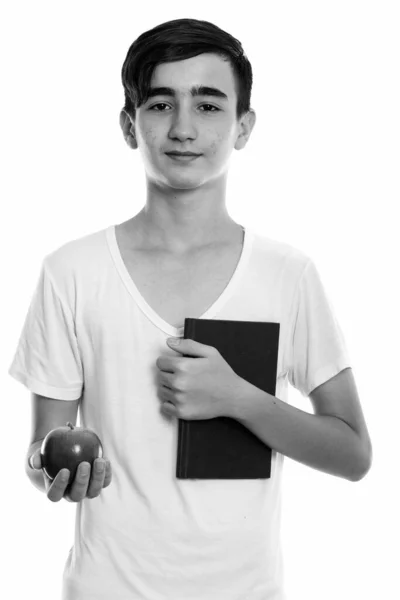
{"x":182,"y":127}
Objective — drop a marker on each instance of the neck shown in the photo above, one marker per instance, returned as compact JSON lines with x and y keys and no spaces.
{"x":179,"y":220}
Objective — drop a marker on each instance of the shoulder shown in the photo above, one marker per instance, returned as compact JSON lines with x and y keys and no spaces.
{"x":76,"y":254}
{"x":287,"y":259}
{"x":76,"y":263}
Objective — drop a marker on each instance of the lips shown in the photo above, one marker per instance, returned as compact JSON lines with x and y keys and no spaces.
{"x":183,"y":158}
{"x":182,"y":154}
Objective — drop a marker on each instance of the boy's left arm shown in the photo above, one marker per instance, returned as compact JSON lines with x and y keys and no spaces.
{"x":335,"y":439}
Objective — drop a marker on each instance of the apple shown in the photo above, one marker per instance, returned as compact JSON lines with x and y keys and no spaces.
{"x":65,"y":447}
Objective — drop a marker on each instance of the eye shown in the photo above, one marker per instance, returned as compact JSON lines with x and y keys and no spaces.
{"x":159,"y":104}
{"x":210,"y":106}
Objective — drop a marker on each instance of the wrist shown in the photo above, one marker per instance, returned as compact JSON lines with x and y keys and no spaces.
{"x":250,"y":402}
{"x":237,"y":406}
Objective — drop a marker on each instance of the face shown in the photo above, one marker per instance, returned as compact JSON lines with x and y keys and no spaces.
{"x":177,"y":121}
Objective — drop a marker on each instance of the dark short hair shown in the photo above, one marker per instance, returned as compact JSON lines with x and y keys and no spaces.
{"x":178,"y":40}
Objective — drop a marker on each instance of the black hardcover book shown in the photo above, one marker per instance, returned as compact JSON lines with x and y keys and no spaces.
{"x":223,"y":448}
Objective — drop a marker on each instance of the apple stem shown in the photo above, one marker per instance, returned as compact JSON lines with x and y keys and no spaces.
{"x":69,"y":424}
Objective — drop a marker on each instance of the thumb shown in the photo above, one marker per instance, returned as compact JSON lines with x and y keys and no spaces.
{"x":189,"y":347}
{"x":35,"y":461}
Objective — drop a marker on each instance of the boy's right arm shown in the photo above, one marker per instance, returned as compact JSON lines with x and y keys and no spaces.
{"x":47,"y":414}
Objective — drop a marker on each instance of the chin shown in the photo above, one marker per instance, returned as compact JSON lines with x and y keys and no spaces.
{"x":182,"y":182}
{"x":184,"y":185}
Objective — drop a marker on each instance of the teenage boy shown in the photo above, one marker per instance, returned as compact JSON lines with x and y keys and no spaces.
{"x":98,"y":335}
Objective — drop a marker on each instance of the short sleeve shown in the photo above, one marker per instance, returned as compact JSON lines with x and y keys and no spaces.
{"x":318,"y":348}
{"x":47,"y":360}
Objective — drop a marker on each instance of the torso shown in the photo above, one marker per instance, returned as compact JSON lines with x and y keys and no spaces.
{"x":179,"y":287}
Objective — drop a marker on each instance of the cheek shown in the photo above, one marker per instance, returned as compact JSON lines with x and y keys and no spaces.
{"x":147,"y":139}
{"x":217,"y":143}
{"x":150,"y":137}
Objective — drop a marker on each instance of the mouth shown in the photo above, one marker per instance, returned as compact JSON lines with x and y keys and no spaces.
{"x":183,"y":156}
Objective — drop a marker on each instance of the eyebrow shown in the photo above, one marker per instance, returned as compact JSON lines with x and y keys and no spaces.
{"x":196,"y":90}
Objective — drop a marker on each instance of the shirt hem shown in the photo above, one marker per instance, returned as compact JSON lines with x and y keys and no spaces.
{"x":44,"y":389}
{"x":325,"y":373}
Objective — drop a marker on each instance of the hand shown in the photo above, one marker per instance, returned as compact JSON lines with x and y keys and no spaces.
{"x":83,"y":485}
{"x":200,"y":386}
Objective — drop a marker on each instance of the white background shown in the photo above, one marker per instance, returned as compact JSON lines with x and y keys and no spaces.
{"x":320,"y":172}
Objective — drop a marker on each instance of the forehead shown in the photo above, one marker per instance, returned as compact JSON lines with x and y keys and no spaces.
{"x":205,"y":69}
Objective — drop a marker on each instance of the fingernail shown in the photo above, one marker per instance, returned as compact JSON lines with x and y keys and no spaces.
{"x":99,"y":467}
{"x":84,"y":469}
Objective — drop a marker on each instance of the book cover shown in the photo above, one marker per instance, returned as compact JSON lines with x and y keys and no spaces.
{"x":223,"y":448}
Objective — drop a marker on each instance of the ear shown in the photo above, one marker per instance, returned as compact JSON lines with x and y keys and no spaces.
{"x":246,"y":125}
{"x":128,"y":129}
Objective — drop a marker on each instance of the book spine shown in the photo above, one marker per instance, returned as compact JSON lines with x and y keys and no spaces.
{"x":190,"y":326}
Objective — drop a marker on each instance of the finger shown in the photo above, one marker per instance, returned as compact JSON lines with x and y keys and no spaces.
{"x":108,"y":474}
{"x":97,"y":478}
{"x":56,"y":487}
{"x":80,"y":484}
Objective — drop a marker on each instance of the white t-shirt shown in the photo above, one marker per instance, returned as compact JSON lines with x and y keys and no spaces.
{"x":149,"y":535}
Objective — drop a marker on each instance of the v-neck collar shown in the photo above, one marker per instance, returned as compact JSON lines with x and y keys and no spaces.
{"x":147,"y":309}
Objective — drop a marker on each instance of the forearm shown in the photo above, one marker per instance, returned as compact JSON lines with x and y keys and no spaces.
{"x":36,"y":476}
{"x":322,"y":442}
